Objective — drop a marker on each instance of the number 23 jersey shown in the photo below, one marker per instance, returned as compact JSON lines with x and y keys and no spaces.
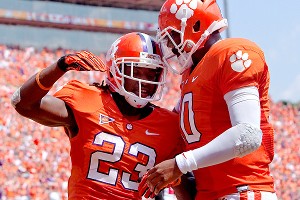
{"x":110,"y":153}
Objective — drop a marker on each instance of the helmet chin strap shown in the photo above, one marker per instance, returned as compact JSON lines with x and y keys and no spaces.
{"x":185,"y":62}
{"x":129,"y":96}
{"x":134,"y":101}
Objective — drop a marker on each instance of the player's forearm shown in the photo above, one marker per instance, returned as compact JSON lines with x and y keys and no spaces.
{"x":237,"y":141}
{"x":241,"y":139}
{"x":36,"y":87}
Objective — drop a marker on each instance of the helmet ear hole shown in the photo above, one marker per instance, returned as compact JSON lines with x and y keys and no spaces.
{"x":196,"y":27}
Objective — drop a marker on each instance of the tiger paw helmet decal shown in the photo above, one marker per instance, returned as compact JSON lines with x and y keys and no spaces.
{"x":178,"y":7}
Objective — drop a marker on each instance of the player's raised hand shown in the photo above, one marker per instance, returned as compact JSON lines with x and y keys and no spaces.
{"x":81,"y":61}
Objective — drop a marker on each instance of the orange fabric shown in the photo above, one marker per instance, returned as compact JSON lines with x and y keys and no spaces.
{"x":109,"y":153}
{"x":204,"y":90}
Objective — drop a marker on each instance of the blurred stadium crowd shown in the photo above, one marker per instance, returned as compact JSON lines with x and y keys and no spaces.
{"x":34,"y":159}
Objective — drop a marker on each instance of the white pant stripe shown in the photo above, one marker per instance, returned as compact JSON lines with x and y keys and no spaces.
{"x":250,"y":196}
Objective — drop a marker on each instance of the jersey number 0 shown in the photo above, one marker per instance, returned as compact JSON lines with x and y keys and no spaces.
{"x":193,"y":135}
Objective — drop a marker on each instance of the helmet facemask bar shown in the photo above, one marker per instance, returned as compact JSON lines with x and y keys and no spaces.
{"x":139,"y":62}
{"x":177,"y":63}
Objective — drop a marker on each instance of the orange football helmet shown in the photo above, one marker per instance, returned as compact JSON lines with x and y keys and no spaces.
{"x":193,"y":21}
{"x":135,"y":50}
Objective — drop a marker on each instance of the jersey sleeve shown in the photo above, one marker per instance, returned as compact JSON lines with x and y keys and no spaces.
{"x":70,"y":93}
{"x":241,"y":68}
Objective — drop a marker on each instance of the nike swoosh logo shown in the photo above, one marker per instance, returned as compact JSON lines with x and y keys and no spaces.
{"x":184,"y":82}
{"x":150,"y":133}
{"x":194,"y":78}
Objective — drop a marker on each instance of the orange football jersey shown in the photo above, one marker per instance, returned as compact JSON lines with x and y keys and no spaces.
{"x":110,"y":153}
{"x":229,"y":64}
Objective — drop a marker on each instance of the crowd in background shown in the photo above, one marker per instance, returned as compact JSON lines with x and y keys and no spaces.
{"x":34,"y":159}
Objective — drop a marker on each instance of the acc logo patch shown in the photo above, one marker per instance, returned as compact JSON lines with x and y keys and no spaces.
{"x":103,"y":119}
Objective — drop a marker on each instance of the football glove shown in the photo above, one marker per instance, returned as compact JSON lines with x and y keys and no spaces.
{"x":81,"y":61}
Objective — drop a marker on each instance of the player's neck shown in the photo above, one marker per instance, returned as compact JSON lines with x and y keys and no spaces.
{"x":200,"y":53}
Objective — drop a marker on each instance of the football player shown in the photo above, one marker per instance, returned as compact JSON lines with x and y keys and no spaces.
{"x":224,"y":106}
{"x":116,"y":134}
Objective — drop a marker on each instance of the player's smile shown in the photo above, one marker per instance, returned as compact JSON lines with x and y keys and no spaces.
{"x":145,"y":93}
{"x":146,"y":90}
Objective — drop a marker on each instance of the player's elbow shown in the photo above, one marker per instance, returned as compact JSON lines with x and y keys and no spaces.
{"x":250,"y":140}
{"x":18,"y":105}
{"x":21,"y":110}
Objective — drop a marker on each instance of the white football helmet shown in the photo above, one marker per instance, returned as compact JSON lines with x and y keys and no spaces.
{"x":136,"y":50}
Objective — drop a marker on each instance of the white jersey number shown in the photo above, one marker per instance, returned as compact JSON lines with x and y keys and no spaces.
{"x":99,"y":157}
{"x":193,"y":135}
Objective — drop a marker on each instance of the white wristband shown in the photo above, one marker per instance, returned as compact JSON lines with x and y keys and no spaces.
{"x":186,"y":162}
